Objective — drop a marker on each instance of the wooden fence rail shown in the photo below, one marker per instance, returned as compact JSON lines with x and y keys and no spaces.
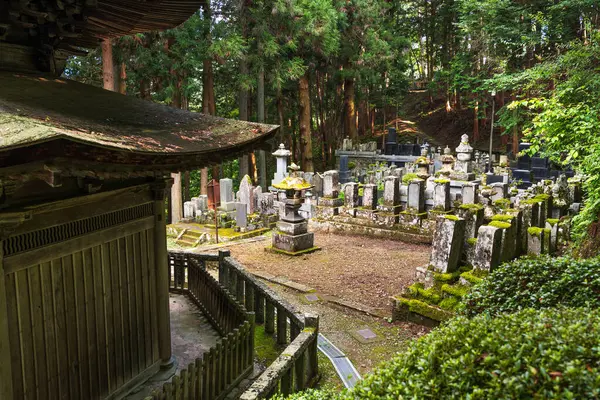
{"x":297,"y":367}
{"x":231,"y":360}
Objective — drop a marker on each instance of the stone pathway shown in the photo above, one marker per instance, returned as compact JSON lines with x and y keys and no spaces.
{"x":191,"y":334}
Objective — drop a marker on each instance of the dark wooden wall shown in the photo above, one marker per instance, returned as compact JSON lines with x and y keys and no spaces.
{"x":80,"y":284}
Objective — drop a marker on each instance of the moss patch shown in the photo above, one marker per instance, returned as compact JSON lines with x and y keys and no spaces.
{"x":421,"y":308}
{"x":266,"y":349}
{"x":474,"y":207}
{"x":446,"y":278}
{"x":451,"y":217}
{"x":472,"y":241}
{"x":552,"y":221}
{"x":441,"y":181}
{"x":535,"y":231}
{"x":449,"y":304}
{"x":502,"y":217}
{"x":500,"y":224}
{"x":457,"y":291}
{"x":409,"y":177}
{"x":471,"y":277}
{"x":502,"y":203}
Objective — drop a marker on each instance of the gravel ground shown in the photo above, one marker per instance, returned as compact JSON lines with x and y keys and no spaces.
{"x":356,"y":268}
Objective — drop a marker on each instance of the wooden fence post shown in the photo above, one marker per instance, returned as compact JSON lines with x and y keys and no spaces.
{"x":259,"y":307}
{"x":312,"y":321}
{"x":281,"y":325}
{"x":223,"y":269}
{"x":269,"y":317}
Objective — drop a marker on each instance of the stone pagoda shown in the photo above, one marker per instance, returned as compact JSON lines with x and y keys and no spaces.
{"x":292,"y":236}
{"x":463,"y":167}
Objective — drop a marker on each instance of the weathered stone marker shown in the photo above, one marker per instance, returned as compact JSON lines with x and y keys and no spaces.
{"x":447,"y":243}
{"x":370,"y":197}
{"x":488,"y":248}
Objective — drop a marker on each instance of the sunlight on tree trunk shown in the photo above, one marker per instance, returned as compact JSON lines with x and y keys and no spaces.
{"x":304,"y":122}
{"x":108,"y":68}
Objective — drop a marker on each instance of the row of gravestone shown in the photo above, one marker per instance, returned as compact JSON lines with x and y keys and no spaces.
{"x":533,"y":224}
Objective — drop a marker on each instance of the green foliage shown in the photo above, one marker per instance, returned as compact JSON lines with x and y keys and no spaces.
{"x":529,"y":354}
{"x":539,"y":282}
{"x":449,"y":304}
{"x":502,"y":203}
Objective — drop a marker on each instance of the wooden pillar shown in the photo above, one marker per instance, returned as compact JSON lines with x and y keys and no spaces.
{"x":269,"y":317}
{"x":161,"y":189}
{"x":6,"y":389}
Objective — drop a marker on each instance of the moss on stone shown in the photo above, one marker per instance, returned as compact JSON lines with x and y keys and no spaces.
{"x":441,"y":181}
{"x":445,"y":278}
{"x":502,"y":217}
{"x":531,"y":201}
{"x":547,"y":232}
{"x":451,"y":217}
{"x":449,"y":304}
{"x":535,"y":231}
{"x":473,"y":206}
{"x":542,"y":197}
{"x":428,"y":311}
{"x":500,"y":224}
{"x":472,"y":241}
{"x":409,"y":177}
{"x":471,"y":277}
{"x":552,"y":221}
{"x":417,"y":291}
{"x":502,"y":203}
{"x":458,"y":291}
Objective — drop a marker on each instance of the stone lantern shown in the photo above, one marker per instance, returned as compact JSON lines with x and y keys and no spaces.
{"x":423,"y":163}
{"x":463,"y":168}
{"x":292,"y":236}
{"x":447,"y":163}
{"x":282,"y":156}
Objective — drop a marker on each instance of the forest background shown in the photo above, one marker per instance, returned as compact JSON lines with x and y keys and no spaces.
{"x":328,"y":69}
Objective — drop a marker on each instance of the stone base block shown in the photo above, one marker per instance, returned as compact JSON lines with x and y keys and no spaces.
{"x":330,"y":202}
{"x":295,"y":243}
{"x":387,"y":219}
{"x":364,"y":213}
{"x":425,"y":276}
{"x":292,"y":253}
{"x":292,"y":228}
{"x":230,"y":206}
{"x":412,"y":218}
{"x":326,"y":212}
{"x":388,"y":208}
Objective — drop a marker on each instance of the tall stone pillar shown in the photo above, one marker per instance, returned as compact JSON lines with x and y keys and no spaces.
{"x":160,"y":190}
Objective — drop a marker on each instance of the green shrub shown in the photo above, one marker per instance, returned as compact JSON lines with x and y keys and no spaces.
{"x":539,"y":282}
{"x":549,"y":354}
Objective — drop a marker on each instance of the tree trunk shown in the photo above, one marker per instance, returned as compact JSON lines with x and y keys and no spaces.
{"x":123,"y":79}
{"x":208,"y":86}
{"x":204,"y":181}
{"x":260,"y":117}
{"x":349,"y":110}
{"x":186,"y":186}
{"x":476,"y":122}
{"x":304,"y":123}
{"x":176,"y":201}
{"x":108,"y":68}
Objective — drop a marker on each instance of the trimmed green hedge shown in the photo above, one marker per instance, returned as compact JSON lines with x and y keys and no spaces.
{"x":539,"y":282}
{"x":552,"y":353}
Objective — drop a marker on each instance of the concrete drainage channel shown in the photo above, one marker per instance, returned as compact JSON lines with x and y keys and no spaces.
{"x":344,"y":368}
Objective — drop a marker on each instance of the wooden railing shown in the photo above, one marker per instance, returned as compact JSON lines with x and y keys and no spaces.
{"x":296,"y":368}
{"x":232,"y":359}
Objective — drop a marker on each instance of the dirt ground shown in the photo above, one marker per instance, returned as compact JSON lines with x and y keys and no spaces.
{"x":338,"y":323}
{"x":355,"y":268}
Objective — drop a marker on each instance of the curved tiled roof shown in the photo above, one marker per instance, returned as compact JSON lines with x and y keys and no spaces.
{"x":35,"y":109}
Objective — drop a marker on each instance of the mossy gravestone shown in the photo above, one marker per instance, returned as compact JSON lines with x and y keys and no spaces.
{"x":447,"y":243}
{"x":488,"y":248}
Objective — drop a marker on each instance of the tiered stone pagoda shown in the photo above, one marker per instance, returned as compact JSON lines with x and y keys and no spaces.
{"x":292,"y":236}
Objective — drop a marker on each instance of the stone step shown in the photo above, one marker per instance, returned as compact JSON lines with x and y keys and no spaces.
{"x":186,"y":242}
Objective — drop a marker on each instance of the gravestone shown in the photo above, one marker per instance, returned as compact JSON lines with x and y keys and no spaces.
{"x":391,"y":191}
{"x":318,"y":185}
{"x":247,"y":194}
{"x":281,"y":156}
{"x":416,"y":195}
{"x":241,"y":215}
{"x":226,"y":190}
{"x":369,"y":199}
{"x":351,"y":195}
{"x":188,"y":210}
{"x":488,"y":248}
{"x":441,"y":195}
{"x":344,"y":171}
{"x":470,"y":193}
{"x":447,"y":244}
{"x":331,"y":184}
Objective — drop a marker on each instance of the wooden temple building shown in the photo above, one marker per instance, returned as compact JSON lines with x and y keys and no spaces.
{"x":84,"y":173}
